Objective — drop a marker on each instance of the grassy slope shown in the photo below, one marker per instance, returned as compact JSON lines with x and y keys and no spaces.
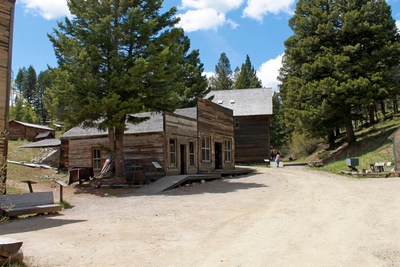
{"x":373,"y":146}
{"x":18,"y":173}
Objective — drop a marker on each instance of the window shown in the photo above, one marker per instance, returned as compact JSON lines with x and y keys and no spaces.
{"x":172,"y":152}
{"x":96,"y":159}
{"x":205,"y":148}
{"x":236,"y":122}
{"x":192,"y":159}
{"x":228,"y":151}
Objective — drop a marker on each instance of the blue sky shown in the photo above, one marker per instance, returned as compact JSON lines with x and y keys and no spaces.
{"x":257,"y":28}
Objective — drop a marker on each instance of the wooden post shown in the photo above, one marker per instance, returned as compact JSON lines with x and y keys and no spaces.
{"x":29,"y":184}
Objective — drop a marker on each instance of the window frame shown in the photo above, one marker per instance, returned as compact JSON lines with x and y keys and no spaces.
{"x":172,"y":153}
{"x":236,"y":122}
{"x":228,"y":150}
{"x":96,"y":160}
{"x":206,"y":149}
{"x":192,"y":154}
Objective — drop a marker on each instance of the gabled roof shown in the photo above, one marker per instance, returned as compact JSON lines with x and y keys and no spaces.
{"x":245,"y":102}
{"x":44,"y":143}
{"x":44,"y":135}
{"x":154,"y":124}
{"x":33,"y":125}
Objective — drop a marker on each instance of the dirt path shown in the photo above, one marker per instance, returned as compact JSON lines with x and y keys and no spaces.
{"x":279,"y":217}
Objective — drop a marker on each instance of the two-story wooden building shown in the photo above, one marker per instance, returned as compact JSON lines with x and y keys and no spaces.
{"x":186,"y":141}
{"x":252,"y":113}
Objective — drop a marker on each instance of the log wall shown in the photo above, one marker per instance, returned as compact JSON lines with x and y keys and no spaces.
{"x":6,"y":34}
{"x":252,"y":139}
{"x":18,"y":131}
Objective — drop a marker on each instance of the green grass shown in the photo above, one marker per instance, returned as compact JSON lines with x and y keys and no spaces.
{"x":373,"y":146}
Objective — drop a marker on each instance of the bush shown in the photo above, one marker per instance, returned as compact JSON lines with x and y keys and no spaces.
{"x":303,"y":145}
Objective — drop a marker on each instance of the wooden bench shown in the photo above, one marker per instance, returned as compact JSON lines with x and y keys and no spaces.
{"x":28,"y":203}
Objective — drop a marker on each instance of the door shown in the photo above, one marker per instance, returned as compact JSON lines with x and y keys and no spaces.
{"x":183,"y":159}
{"x":218,"y":155}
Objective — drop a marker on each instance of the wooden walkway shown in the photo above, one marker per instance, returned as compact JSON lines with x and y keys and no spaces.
{"x":169,"y":182}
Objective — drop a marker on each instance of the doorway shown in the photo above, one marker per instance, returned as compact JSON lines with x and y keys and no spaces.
{"x":218,"y":155}
{"x":183,"y":159}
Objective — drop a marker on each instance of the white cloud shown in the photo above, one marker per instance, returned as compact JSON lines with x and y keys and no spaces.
{"x":257,"y":9}
{"x":49,"y":9}
{"x":201,"y":19}
{"x":398,"y":24}
{"x":220,"y":5}
{"x":269,"y":72}
{"x":209,"y":74}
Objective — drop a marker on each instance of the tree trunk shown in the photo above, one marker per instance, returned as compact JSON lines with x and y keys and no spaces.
{"x":395,"y":106}
{"x":383,"y":108}
{"x":119,"y":155}
{"x":351,"y":137}
{"x":331,"y":139}
{"x":371,"y":115}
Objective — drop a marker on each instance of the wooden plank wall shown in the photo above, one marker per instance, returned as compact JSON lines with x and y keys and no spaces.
{"x":184,"y":130}
{"x":139,"y":151}
{"x":6,"y":34}
{"x":19,"y":131}
{"x":217,"y":122}
{"x":252,"y":139}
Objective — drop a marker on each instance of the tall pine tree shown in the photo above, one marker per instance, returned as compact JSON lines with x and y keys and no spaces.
{"x":338,"y":59}
{"x":117,"y":58}
{"x":223,"y":75}
{"x":247,"y":77}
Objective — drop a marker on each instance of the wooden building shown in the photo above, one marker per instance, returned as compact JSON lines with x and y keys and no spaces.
{"x":252,"y":114}
{"x":29,"y":131}
{"x":395,"y":137}
{"x":6,"y":36}
{"x":187,"y":141}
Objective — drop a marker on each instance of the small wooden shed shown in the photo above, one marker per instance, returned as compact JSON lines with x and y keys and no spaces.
{"x":29,"y":131}
{"x":395,"y":137}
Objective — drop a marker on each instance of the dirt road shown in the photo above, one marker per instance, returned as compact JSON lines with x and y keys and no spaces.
{"x":290,"y":216}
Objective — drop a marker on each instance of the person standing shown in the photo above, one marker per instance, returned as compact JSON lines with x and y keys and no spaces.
{"x":277,"y":159}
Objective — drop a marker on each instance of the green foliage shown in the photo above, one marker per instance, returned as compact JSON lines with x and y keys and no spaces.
{"x":279,"y":136}
{"x":223,"y":75}
{"x":118,"y":58}
{"x":23,"y":111}
{"x":303,"y":145}
{"x":247,"y":77}
{"x":338,"y":62}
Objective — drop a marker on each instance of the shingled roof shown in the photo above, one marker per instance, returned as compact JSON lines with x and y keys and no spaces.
{"x":245,"y":102}
{"x":154,"y":124}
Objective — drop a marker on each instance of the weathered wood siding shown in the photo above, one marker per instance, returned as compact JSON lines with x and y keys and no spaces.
{"x":216,"y":122}
{"x":6,"y":34}
{"x":19,"y":131}
{"x":139,"y":151}
{"x":183,"y":130}
{"x":252,"y":139}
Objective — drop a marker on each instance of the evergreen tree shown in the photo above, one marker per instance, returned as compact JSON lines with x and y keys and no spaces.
{"x":29,"y":89}
{"x":223,"y":75}
{"x":247,"y":77}
{"x":278,"y":134}
{"x":44,"y":82}
{"x":116,"y":58}
{"x":195,"y":83}
{"x":338,"y":59}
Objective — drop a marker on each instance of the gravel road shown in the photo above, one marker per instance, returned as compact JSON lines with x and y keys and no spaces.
{"x":290,"y":216}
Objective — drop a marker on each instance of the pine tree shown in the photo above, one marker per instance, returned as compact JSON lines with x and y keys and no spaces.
{"x":339,"y":59}
{"x":223,"y":75}
{"x":44,"y":82}
{"x":117,"y":58}
{"x":247,"y":77}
